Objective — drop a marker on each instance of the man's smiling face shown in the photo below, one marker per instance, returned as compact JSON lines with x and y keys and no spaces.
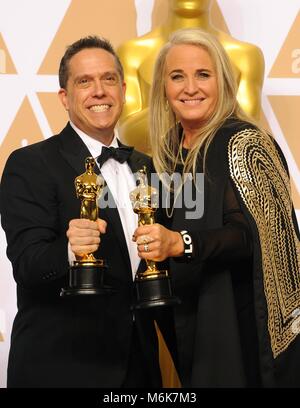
{"x":95,"y":93}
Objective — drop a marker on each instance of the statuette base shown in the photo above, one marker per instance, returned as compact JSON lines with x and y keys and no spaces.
{"x":86,"y":279}
{"x":154,"y":291}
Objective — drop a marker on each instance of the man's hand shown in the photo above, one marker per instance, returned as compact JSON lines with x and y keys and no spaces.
{"x":84,"y":235}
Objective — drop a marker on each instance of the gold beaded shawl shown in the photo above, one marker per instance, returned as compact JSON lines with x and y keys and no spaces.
{"x":260,"y":176}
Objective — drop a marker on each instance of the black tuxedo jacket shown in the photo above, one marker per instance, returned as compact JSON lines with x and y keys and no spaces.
{"x":65,"y":342}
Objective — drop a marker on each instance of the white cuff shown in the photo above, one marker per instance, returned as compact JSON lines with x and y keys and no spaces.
{"x":71,"y":255}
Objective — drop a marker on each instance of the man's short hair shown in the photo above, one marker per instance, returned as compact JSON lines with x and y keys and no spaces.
{"x":91,"y":41}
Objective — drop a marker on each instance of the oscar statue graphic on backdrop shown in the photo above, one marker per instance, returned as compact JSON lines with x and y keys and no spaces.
{"x":138,"y":55}
{"x":153,"y":286}
{"x":86,"y":274}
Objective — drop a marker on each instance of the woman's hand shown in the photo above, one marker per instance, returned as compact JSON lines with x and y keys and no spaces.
{"x":84,"y":235}
{"x":158,"y":243}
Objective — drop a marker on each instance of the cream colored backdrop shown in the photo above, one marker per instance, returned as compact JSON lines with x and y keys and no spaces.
{"x":33,"y":36}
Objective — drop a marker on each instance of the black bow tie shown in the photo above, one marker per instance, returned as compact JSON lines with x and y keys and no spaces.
{"x":121,"y":154}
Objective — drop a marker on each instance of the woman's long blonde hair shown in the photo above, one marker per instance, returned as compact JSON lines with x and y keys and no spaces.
{"x":164,"y":134}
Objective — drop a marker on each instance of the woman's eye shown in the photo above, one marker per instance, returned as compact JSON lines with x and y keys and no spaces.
{"x":202,"y":75}
{"x":177,"y":77}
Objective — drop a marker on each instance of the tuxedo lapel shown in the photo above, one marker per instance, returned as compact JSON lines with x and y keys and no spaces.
{"x":74,"y":150}
{"x":111,"y":215}
{"x":136,"y":161}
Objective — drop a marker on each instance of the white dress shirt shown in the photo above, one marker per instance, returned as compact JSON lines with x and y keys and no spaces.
{"x":121,"y":182}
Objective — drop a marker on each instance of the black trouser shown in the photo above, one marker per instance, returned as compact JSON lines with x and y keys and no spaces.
{"x":138,"y":373}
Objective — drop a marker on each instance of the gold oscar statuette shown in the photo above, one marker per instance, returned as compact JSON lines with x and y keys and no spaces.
{"x":86,"y":274}
{"x":153,"y":286}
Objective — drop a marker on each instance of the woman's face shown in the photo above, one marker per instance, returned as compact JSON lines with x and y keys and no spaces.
{"x":190,"y":84}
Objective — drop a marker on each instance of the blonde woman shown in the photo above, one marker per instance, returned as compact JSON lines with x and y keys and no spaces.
{"x":232,"y":239}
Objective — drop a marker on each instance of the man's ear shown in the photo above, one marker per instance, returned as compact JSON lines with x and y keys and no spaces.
{"x":62,"y":94}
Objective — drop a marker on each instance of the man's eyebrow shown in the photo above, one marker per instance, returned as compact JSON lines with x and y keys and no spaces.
{"x":82,"y":76}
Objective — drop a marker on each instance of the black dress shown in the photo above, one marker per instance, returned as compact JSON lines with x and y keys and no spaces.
{"x":223,"y":325}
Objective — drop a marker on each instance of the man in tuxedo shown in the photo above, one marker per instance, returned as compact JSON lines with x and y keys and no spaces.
{"x":79,"y":341}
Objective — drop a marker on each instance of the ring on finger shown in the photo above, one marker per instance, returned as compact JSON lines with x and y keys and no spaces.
{"x":146,"y":247}
{"x":144,"y":239}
